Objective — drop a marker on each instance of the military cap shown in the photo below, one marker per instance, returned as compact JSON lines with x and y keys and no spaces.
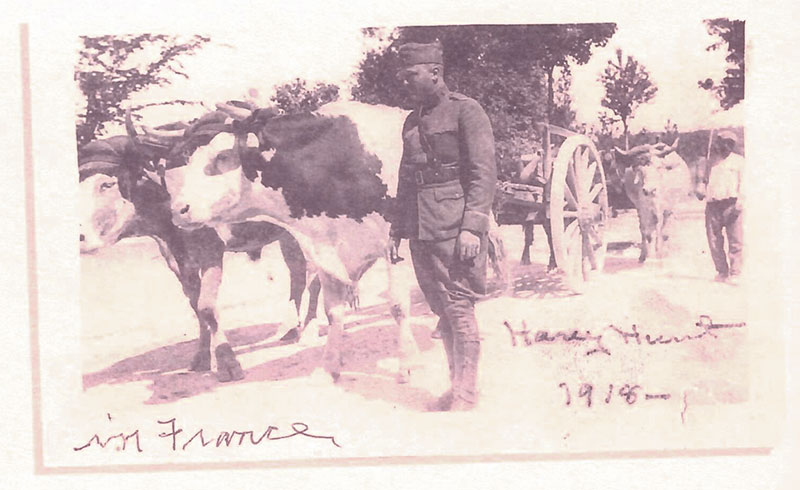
{"x":416,"y":53}
{"x":728,"y":135}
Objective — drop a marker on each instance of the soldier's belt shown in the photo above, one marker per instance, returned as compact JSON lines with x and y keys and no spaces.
{"x":436,"y":175}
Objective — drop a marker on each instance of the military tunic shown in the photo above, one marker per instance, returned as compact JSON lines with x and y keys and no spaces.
{"x":446,"y":185}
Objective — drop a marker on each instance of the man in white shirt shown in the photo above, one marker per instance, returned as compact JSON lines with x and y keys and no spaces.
{"x":721,"y":186}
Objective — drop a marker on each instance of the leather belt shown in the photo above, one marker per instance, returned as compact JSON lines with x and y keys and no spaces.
{"x":436,"y":175}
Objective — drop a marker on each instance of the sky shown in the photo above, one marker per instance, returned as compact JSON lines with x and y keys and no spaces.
{"x":238,"y":60}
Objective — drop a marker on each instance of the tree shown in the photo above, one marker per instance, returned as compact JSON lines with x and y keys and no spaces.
{"x":509,"y":70}
{"x":112,"y":68}
{"x":295,"y":96}
{"x":627,"y":84}
{"x":730,"y":33}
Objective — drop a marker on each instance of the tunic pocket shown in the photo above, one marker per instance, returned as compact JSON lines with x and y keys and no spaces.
{"x":441,"y":210}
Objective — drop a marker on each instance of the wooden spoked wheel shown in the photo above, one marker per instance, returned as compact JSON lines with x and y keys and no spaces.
{"x":578,"y":210}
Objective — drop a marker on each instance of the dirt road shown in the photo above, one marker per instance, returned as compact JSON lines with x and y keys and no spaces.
{"x":629,"y":351}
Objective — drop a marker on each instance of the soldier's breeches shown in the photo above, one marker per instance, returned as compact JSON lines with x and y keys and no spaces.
{"x":451,"y":286}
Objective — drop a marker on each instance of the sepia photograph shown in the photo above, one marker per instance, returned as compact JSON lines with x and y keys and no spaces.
{"x":403,"y":243}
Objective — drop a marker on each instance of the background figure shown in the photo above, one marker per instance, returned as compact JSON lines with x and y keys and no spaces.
{"x":721,"y":186}
{"x":444,"y":196}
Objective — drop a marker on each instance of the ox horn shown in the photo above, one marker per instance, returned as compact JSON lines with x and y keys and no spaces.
{"x":669,"y":149}
{"x":632,"y":152}
{"x":152,"y":137}
{"x":237,"y":113}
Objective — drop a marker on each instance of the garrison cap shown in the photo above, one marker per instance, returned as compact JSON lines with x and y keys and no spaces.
{"x":728,"y":135}
{"x":416,"y":53}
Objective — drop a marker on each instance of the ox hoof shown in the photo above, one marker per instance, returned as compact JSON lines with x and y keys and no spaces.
{"x":201,"y":361}
{"x":292,"y":336}
{"x":228,"y":368}
{"x":441,"y":404}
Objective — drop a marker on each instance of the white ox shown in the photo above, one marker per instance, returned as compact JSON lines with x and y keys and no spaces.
{"x":323,"y":177}
{"x":656,"y":178}
{"x":118,"y":200}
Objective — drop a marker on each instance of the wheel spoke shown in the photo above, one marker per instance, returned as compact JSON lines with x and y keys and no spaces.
{"x":569,"y":231}
{"x":570,"y":197}
{"x":595,"y":191}
{"x":572,"y":180}
{"x":591,"y":171}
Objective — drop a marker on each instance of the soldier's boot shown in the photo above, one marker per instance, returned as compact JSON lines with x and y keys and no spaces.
{"x":465,"y":385}
{"x":442,"y":404}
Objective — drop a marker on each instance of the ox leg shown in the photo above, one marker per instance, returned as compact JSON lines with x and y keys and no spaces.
{"x":527,"y":230}
{"x":335,"y":295}
{"x":313,"y":301}
{"x":548,"y":231}
{"x":227,"y":367}
{"x":408,"y":353}
{"x":661,"y":233}
{"x":647,"y":239}
{"x":189,"y":277}
{"x":296,"y":263}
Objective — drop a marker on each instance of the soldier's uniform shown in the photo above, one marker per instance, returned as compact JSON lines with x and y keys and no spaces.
{"x":447,"y":182}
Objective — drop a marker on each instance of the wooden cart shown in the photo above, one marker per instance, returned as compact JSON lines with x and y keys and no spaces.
{"x":571,"y":199}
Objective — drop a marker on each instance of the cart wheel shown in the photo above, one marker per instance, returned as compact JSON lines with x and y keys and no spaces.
{"x":578,"y":210}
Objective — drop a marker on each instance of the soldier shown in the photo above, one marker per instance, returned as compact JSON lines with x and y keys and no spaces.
{"x":444,"y":197}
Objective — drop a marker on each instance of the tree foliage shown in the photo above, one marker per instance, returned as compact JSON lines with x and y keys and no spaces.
{"x":296,"y":96}
{"x":112,"y":68}
{"x":730,"y":35}
{"x":627,"y":85}
{"x":519,"y":74}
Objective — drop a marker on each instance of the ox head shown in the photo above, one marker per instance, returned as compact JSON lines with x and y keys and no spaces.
{"x":645,"y":165}
{"x":209,"y":165}
{"x":303,"y":165}
{"x":105,"y":203}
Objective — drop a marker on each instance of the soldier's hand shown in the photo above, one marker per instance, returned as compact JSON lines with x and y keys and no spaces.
{"x":394,"y":250}
{"x":468,"y":245}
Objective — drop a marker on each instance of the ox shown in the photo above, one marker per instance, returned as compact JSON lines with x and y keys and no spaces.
{"x":120,"y":198}
{"x":327,"y":178}
{"x":655,"y":178}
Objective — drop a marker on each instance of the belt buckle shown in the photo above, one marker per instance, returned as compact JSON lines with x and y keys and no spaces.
{"x":418,"y":177}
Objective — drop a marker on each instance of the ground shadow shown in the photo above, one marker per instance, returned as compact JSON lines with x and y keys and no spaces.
{"x":535,"y":281}
{"x":166,"y":368}
{"x":165,"y":361}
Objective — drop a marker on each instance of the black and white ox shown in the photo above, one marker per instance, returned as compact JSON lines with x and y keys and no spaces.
{"x":120,"y":197}
{"x":328,"y":178}
{"x":655,"y":178}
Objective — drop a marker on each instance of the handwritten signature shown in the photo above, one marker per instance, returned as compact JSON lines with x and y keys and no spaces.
{"x":707,"y":326}
{"x":177,"y":437}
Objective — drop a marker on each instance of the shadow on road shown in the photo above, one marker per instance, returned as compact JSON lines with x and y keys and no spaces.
{"x":166,"y":368}
{"x":369,"y":338}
